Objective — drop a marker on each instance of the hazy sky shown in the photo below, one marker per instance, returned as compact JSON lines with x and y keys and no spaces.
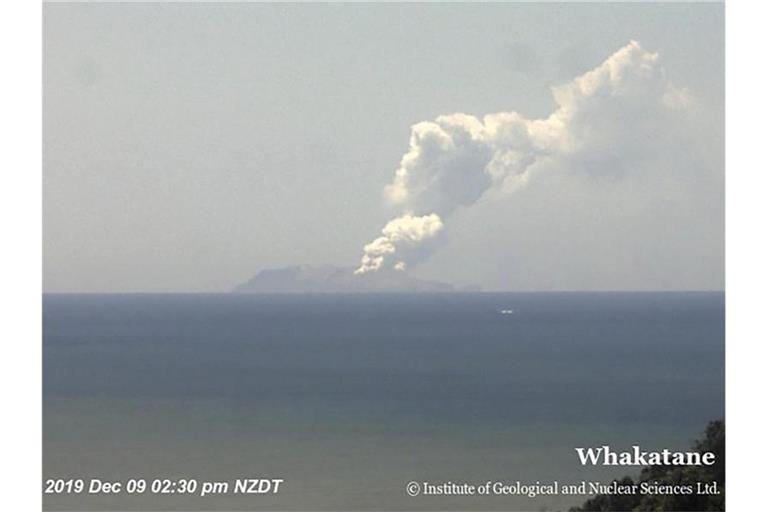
{"x":188,"y":146}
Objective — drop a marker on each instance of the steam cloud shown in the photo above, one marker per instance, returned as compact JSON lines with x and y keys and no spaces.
{"x":399,"y":237}
{"x":605,"y":119}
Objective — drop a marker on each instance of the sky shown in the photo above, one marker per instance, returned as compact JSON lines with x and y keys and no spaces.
{"x":186,"y":147}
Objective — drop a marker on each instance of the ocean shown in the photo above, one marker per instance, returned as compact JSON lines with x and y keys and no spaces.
{"x":347,"y":398}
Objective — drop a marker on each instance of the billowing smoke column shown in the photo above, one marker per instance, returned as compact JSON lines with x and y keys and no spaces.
{"x":603,"y":120}
{"x":399,"y":237}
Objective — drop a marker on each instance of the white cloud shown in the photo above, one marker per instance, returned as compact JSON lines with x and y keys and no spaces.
{"x":403,"y":239}
{"x":606,"y":121}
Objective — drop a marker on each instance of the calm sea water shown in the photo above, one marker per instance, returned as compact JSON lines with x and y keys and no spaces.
{"x":349,"y":397}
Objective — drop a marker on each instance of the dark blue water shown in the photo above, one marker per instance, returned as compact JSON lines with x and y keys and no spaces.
{"x":370,"y":391}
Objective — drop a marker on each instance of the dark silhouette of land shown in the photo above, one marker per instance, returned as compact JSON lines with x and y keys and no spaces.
{"x":332,"y":279}
{"x":713,"y":441}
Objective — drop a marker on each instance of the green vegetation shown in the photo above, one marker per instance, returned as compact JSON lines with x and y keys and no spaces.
{"x":713,"y":440}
